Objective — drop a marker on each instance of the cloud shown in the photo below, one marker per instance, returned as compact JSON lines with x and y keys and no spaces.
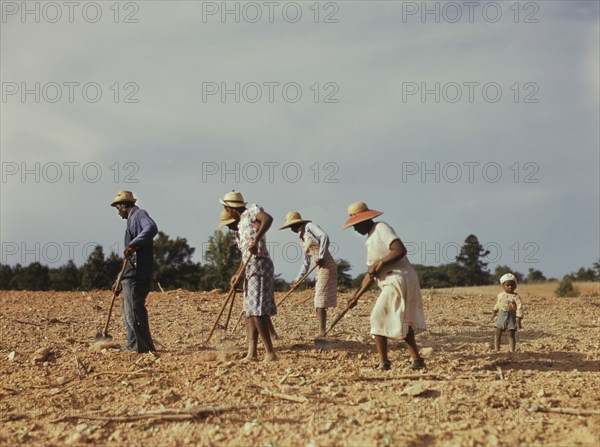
{"x":358,"y":148}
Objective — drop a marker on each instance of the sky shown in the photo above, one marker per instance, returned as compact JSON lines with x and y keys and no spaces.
{"x":453,"y":118}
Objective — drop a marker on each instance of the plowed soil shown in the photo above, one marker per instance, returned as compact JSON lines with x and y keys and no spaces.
{"x":79,"y":392}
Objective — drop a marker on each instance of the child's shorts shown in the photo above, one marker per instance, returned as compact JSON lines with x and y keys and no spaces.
{"x":507,"y":321}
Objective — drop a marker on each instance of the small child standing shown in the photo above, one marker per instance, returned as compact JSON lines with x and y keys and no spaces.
{"x":508,"y":310}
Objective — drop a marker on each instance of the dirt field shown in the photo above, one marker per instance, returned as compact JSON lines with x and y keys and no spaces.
{"x":469,"y":396}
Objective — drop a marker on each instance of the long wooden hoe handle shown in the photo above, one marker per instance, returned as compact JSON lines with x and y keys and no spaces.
{"x":230,"y":294}
{"x":115,"y":293}
{"x":362,"y":290}
{"x":296,"y":285}
{"x":230,"y":310}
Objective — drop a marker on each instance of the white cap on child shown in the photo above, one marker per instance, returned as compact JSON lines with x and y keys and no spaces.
{"x":508,"y":277}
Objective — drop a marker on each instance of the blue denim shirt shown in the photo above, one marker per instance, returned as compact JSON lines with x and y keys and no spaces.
{"x":140,"y":232}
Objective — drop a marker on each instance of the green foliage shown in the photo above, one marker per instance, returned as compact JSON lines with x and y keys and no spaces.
{"x":33,"y":277}
{"x":6,"y":276}
{"x":173,"y":265}
{"x":93,"y":273}
{"x":445,"y":275}
{"x":565,"y":288}
{"x":504,"y":269}
{"x":535,"y":276}
{"x":584,"y":274}
{"x":112,"y":266}
{"x":222,"y":261}
{"x":281,"y":285}
{"x":66,"y":277}
{"x":433,"y":276}
{"x":596,"y":267}
{"x":344,"y":280}
{"x":470,"y":259}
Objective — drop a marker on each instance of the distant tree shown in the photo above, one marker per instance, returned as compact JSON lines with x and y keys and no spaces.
{"x":67,"y":277}
{"x":535,"y":276}
{"x":93,"y":271}
{"x":565,"y":288}
{"x":584,"y":274}
{"x":456,"y":274}
{"x":504,"y":269}
{"x":33,"y":277}
{"x":344,"y":279}
{"x":596,"y":267}
{"x":434,"y":276}
{"x":6,"y":276}
{"x":222,"y":260}
{"x":173,"y":265}
{"x":281,"y":285}
{"x":470,"y":259}
{"x":113,"y":264}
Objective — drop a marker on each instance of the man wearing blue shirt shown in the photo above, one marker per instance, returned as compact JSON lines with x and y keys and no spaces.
{"x":139,"y":235}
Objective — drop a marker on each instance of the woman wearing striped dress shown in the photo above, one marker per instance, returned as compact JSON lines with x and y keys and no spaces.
{"x":315,"y":245}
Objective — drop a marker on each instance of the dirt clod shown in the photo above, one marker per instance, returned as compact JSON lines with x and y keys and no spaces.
{"x":96,"y":394}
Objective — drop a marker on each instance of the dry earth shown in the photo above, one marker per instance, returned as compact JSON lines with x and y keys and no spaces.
{"x":328,"y":395}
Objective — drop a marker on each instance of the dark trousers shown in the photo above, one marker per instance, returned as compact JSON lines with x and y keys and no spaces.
{"x":135,"y":315}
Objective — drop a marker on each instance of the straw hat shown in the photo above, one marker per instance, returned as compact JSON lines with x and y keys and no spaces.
{"x":292,"y":218}
{"x":226,"y":219}
{"x":233,"y":199}
{"x":123,"y":196}
{"x":359,"y":212}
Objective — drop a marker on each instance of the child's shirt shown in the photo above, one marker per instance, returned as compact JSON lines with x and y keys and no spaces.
{"x":509,"y":302}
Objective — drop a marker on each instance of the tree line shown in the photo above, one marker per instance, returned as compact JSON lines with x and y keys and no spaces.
{"x":174,"y":269}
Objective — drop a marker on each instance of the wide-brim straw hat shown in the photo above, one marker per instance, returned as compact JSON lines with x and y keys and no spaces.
{"x":293,"y":218}
{"x":233,"y":199}
{"x":123,"y":196}
{"x":359,"y":212}
{"x":226,"y":219}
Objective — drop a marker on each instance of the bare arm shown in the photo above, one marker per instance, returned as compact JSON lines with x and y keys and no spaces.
{"x":397,"y":252}
{"x":366,"y":282}
{"x":264,"y":223}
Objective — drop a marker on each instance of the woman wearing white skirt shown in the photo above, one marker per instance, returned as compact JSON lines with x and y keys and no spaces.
{"x":398,"y":311}
{"x":315,"y":245}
